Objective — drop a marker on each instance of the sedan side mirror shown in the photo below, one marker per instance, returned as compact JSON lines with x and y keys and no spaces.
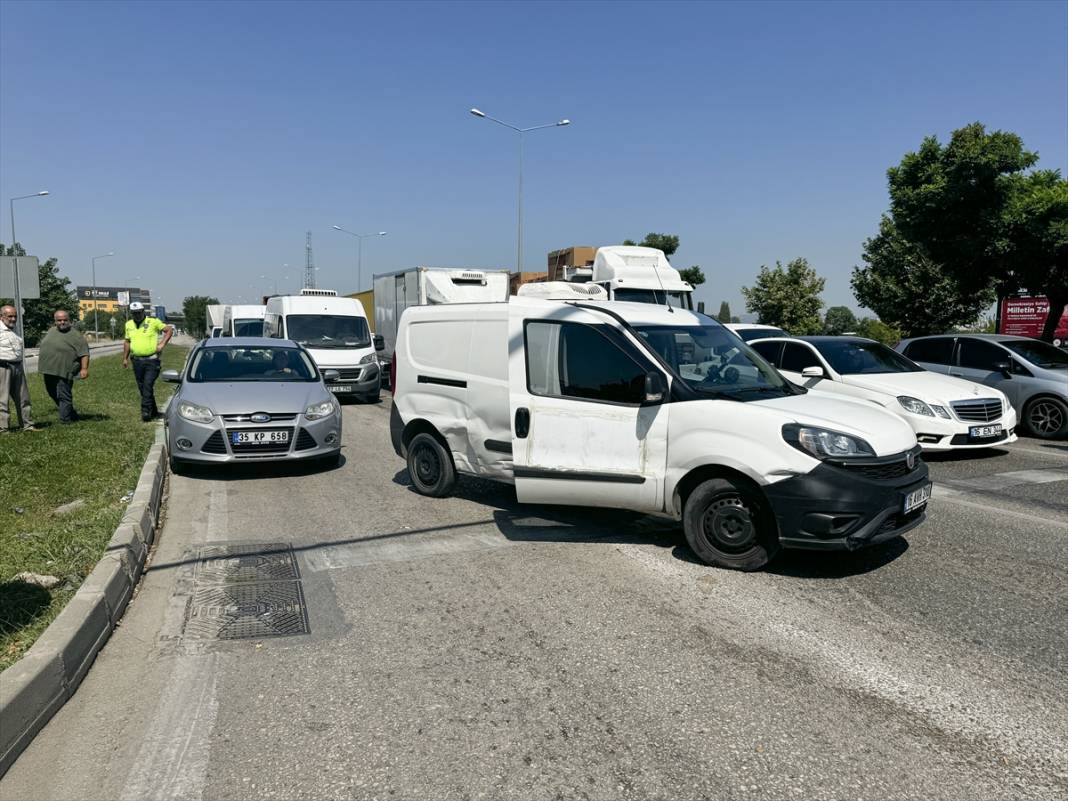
{"x":171,"y":376}
{"x":331,"y":375}
{"x":380,"y":342}
{"x":1004,"y":368}
{"x":654,"y":387}
{"x":812,"y":372}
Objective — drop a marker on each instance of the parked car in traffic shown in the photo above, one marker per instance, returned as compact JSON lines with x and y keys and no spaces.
{"x":750,"y":331}
{"x":946,"y":413}
{"x":1033,"y":374}
{"x":249,"y":399}
{"x":659,"y":410}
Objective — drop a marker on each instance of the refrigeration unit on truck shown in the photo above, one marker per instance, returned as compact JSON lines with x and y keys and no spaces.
{"x":430,"y":286}
{"x":636,"y":274}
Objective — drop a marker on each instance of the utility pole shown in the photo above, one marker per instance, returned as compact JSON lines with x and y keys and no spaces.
{"x":309,"y":264}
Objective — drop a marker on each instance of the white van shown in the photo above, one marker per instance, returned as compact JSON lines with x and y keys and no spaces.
{"x":243,"y":321}
{"x":336,"y":334}
{"x":659,"y":410}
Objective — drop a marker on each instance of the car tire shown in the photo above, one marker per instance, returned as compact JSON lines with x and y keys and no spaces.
{"x":1046,"y":417}
{"x":729,"y":524}
{"x":430,"y":466}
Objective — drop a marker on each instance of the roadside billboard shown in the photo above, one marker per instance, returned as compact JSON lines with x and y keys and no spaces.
{"x":1025,"y":317}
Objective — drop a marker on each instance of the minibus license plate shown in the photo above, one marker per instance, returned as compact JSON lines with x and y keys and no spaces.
{"x":340,"y":388}
{"x":258,"y":437}
{"x":981,"y":432}
{"x":917,"y":498}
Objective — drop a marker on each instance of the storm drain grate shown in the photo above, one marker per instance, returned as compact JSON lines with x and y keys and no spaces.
{"x":246,"y":591}
{"x":272,"y":561}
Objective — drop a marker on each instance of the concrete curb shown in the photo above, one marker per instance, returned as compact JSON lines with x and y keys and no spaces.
{"x":35,"y":687}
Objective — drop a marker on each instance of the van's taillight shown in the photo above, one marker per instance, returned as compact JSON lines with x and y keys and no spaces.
{"x":393,"y":375}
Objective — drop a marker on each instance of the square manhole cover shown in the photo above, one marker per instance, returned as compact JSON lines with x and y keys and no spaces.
{"x":247,"y":609}
{"x":226,"y":564}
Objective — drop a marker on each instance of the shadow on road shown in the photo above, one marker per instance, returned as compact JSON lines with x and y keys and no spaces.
{"x":251,"y":471}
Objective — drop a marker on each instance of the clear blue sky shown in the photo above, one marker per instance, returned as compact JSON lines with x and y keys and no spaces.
{"x":200,"y":140}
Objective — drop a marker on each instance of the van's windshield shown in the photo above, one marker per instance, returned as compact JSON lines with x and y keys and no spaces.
{"x":250,"y":327}
{"x":712,"y":361}
{"x":328,"y":330}
{"x":680,"y":300}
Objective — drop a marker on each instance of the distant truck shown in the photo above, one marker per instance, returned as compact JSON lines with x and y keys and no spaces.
{"x":243,"y":320}
{"x":367,"y":300}
{"x":430,"y":286}
{"x":636,"y":274}
{"x":215,"y":314}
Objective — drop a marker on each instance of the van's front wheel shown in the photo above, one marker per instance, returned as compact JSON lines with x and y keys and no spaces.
{"x":729,"y":525}
{"x":430,"y":466}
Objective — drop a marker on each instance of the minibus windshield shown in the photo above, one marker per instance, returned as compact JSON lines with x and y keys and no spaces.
{"x":713,"y":361}
{"x":328,"y":330}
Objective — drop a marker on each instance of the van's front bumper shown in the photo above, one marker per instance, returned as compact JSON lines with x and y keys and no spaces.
{"x":839,"y":508}
{"x":364,"y":381}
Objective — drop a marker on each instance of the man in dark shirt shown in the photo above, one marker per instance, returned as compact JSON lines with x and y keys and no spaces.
{"x":64,"y":354}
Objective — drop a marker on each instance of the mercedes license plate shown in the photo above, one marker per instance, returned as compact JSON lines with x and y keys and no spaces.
{"x":982,"y":432}
{"x":258,"y":437}
{"x":917,"y":498}
{"x":340,"y":388}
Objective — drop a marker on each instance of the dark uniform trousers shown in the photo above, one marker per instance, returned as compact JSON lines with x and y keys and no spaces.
{"x":146,"y":371}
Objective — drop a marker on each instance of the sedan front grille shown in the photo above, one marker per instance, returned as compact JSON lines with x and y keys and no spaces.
{"x":305,"y":441}
{"x":215,"y":444}
{"x":254,"y":447}
{"x":981,"y":410}
{"x":245,"y":418}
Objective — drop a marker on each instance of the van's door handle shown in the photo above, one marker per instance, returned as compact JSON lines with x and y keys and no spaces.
{"x":958,"y":375}
{"x":522,"y":422}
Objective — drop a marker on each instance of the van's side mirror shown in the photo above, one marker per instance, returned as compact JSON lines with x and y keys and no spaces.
{"x":331,"y":375}
{"x":379,"y":340}
{"x":655,"y":388}
{"x":171,"y":376}
{"x":1005,"y":368}
{"x":812,"y":372}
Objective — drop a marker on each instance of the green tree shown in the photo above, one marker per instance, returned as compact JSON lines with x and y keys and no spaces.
{"x":195,"y":310}
{"x":724,"y":315}
{"x":668,"y":243}
{"x":878,"y":330}
{"x":787,"y":297}
{"x":979,"y":214}
{"x":909,"y":290}
{"x":693,"y":275}
{"x":838,"y":320}
{"x":56,"y":294}
{"x":104,"y":318}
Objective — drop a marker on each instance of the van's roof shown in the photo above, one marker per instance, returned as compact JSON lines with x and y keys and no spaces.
{"x":310,"y":304}
{"x":247,"y":308}
{"x":633,"y":313}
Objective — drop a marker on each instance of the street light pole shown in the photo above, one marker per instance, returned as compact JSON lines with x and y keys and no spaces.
{"x":519,"y":201}
{"x":359,"y":250}
{"x":92,"y":261}
{"x":15,"y":261}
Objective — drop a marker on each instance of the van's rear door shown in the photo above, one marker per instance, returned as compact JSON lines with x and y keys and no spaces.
{"x":582,"y":432}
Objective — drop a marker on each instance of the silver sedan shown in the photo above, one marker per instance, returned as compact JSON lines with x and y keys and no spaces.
{"x":251,"y":399}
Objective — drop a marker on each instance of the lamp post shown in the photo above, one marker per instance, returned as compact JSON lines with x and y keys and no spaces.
{"x":15,"y":256}
{"x":519,"y":193}
{"x":92,"y":261}
{"x":359,"y":250}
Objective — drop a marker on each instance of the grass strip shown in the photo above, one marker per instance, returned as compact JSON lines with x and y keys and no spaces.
{"x":96,"y":461}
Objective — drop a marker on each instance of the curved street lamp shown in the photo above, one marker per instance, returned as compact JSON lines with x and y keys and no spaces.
{"x":359,"y":250}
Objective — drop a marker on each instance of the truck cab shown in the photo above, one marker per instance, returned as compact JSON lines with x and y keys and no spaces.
{"x":243,"y":320}
{"x":637,"y":274}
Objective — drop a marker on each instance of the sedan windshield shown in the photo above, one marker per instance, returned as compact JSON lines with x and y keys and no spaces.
{"x":251,"y":364}
{"x":328,"y":330}
{"x":1039,"y":353}
{"x":248,"y":328}
{"x":861,"y":356}
{"x":712,"y":361}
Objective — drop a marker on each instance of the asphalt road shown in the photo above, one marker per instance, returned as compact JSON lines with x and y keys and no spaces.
{"x":471,"y":648}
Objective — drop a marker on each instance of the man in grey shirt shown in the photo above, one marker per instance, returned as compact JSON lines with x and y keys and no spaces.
{"x":64,"y":355}
{"x":13,"y":387}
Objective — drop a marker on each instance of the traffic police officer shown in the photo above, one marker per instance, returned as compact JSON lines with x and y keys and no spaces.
{"x":142,"y":342}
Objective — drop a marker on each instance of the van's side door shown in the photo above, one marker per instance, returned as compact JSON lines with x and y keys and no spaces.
{"x":582,"y":430}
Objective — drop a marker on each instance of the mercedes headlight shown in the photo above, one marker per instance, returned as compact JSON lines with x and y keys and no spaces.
{"x":198,"y":414}
{"x":370,"y":358}
{"x":915,"y":406}
{"x":319,"y":410}
{"x":822,"y":443}
{"x":941,"y":411}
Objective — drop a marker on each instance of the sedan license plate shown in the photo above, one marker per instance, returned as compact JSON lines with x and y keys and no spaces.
{"x":917,"y":498}
{"x":340,"y":388}
{"x":258,"y":437}
{"x":982,"y":432}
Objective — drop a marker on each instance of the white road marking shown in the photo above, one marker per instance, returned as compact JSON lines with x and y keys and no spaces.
{"x":1012,"y":478}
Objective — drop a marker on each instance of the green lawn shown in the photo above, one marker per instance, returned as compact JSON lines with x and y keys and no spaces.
{"x":97,"y":460}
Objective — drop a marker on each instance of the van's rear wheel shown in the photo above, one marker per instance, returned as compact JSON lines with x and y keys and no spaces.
{"x":430,"y":466}
{"x":729,"y":525}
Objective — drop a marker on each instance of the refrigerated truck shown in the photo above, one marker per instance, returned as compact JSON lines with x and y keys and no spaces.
{"x":429,"y":286}
{"x":215,"y":314}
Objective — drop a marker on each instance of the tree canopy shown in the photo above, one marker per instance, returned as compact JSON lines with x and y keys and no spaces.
{"x":195,"y":311}
{"x":56,"y":294}
{"x":788,"y":297}
{"x":724,"y":315}
{"x":668,"y":243}
{"x":982,"y":218}
{"x":839,"y":320}
{"x":693,"y":275}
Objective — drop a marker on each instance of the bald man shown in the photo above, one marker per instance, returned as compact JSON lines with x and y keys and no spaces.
{"x":13,"y":389}
{"x":64,"y":355}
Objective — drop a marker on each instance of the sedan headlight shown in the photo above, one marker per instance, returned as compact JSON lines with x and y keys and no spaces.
{"x":823,"y":443}
{"x":319,"y":410}
{"x":370,"y":358}
{"x":198,"y":414}
{"x":915,"y":406}
{"x":941,"y":411}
